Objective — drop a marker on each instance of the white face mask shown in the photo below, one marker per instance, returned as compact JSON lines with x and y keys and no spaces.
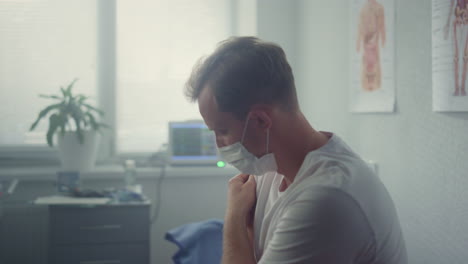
{"x":239,"y":157}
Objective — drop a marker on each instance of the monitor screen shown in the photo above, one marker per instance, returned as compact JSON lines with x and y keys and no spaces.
{"x":191,"y":142}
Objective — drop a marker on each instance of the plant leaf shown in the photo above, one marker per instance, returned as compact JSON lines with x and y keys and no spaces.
{"x":54,"y":122}
{"x":79,"y":132}
{"x":43,"y":113}
{"x":64,"y":93}
{"x":104,"y":125}
{"x":50,"y":96}
{"x":63,"y":121}
{"x":92,"y":121}
{"x":81,"y":99}
{"x":76,"y":113}
{"x":70,"y":86}
{"x":90,"y":107}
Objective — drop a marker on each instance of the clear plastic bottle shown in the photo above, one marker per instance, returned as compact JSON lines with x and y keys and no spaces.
{"x":130,"y":174}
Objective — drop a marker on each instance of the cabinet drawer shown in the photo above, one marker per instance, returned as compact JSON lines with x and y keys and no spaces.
{"x":102,"y":224}
{"x":101,"y":254}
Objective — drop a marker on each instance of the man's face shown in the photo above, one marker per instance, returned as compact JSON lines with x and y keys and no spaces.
{"x":227,"y":128}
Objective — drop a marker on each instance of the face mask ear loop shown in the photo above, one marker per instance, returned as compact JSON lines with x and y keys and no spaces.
{"x":245,"y":128}
{"x":268,"y":140}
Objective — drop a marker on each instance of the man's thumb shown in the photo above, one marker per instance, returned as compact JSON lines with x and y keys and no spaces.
{"x":251,"y":178}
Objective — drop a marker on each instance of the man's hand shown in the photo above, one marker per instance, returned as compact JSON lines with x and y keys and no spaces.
{"x":241,"y":196}
{"x":237,"y":242}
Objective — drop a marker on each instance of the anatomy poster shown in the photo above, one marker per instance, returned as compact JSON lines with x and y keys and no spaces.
{"x":449,"y":55}
{"x":372,"y":56}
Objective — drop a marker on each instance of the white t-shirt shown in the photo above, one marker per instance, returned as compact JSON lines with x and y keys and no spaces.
{"x":335,"y":211}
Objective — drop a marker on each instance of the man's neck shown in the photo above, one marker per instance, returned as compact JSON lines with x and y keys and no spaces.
{"x":298,"y":142}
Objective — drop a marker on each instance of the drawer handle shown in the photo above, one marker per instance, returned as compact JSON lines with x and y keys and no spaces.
{"x":101,"y":227}
{"x":111,"y":261}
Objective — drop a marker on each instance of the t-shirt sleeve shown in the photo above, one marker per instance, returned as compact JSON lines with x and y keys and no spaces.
{"x":324,"y":225}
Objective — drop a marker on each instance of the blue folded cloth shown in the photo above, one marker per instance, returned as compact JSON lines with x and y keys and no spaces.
{"x":199,"y":243}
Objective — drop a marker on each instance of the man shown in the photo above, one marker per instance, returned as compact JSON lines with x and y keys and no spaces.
{"x":303,"y":196}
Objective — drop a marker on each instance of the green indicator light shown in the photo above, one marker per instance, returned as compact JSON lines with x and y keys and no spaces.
{"x":221,"y":164}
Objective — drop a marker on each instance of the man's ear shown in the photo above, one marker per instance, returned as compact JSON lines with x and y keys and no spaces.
{"x":262,"y":118}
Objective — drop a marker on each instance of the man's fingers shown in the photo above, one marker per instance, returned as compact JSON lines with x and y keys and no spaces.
{"x":251,"y":179}
{"x":241,"y":177}
{"x":244,"y":177}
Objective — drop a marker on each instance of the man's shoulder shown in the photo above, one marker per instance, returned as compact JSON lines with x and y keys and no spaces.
{"x":336,"y":165}
{"x":325,"y":205}
{"x":335,"y":181}
{"x":333,"y":172}
{"x":322,"y":194}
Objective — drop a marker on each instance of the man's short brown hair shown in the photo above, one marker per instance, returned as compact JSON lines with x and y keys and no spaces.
{"x":244,"y":71}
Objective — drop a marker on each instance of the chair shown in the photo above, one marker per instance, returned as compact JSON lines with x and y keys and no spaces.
{"x":199,"y":242}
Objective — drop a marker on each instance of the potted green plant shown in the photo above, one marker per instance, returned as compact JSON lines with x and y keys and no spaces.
{"x":76,"y":124}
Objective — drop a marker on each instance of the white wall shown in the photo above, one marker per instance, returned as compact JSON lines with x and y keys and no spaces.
{"x":277,"y":22}
{"x":422,"y":155}
{"x":245,"y":17}
{"x":272,"y":20}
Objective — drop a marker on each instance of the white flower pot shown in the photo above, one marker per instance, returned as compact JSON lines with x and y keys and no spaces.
{"x":75,"y":156}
